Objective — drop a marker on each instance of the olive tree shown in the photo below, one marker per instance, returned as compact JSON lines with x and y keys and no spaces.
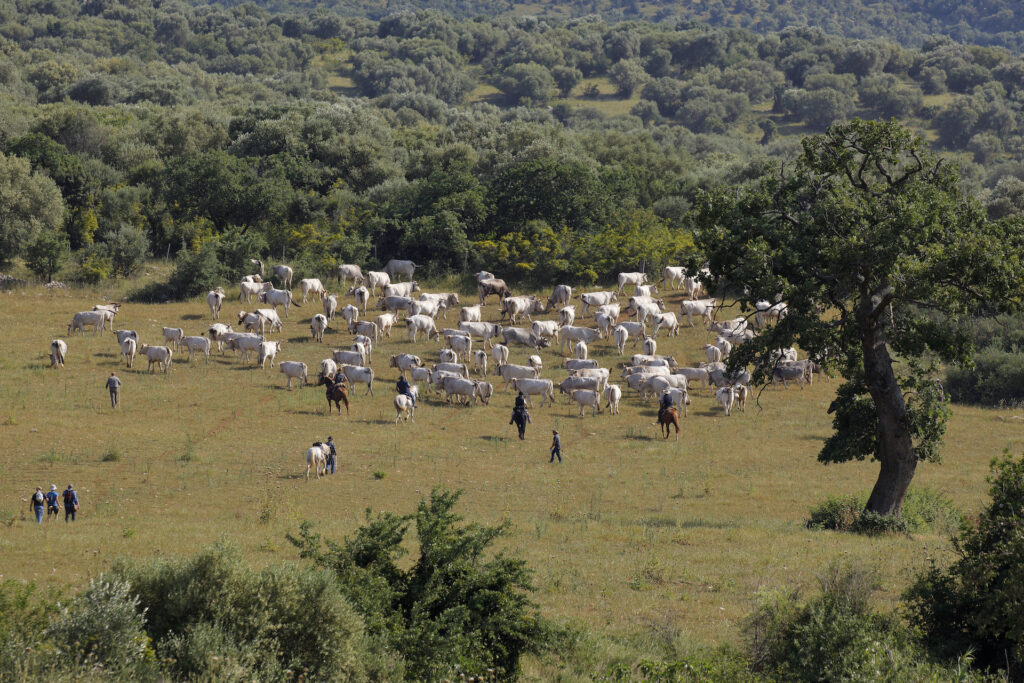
{"x":882,"y":263}
{"x":29,"y":203}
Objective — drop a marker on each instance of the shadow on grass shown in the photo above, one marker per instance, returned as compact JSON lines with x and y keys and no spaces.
{"x":191,"y":316}
{"x":639,"y":437}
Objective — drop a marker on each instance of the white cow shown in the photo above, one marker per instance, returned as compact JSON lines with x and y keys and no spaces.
{"x":546,"y":329}
{"x":571,"y":334}
{"x":365,"y":327}
{"x":535,"y":362}
{"x":702,"y":307}
{"x":535,"y":387}
{"x":509,"y":372}
{"x":668,"y":321}
{"x":587,"y":397}
{"x":561,"y":296}
{"x":328,"y":369}
{"x":577,"y":364}
{"x":97,"y":319}
{"x":246,"y":343}
{"x":125,"y":334}
{"x":634,"y":279}
{"x":394,"y":304}
{"x":279,"y":297}
{"x":396,"y":267}
{"x":483,"y":275}
{"x":726,"y":396}
{"x":580,"y":350}
{"x":284,"y":274}
{"x":595,"y":299}
{"x":466,"y":388}
{"x":613,"y":311}
{"x":349,"y":314}
{"x":293,"y":369}
{"x":357,"y":374}
{"x":349,"y":357}
{"x":650,"y":347}
{"x":449,"y":356}
{"x":480,"y":361}
{"x":268,"y":351}
{"x":259,"y":319}
{"x":405,"y":362}
{"x":375,"y":279}
{"x":215,"y":299}
{"x":128,"y":349}
{"x":331,"y":306}
{"x":173,"y":335}
{"x":470,"y":314}
{"x":613,"y":394}
{"x":673,"y":276}
{"x":316,"y":456}
{"x":567,"y":315}
{"x":361,"y":294}
{"x":404,"y":408}
{"x":500,"y":354}
{"x":367,"y":345}
{"x":247,"y":290}
{"x":621,"y":337}
{"x":347,"y":271}
{"x":217,"y":333}
{"x":605,"y":324}
{"x":198,"y":344}
{"x":360,"y":349}
{"x":58,"y":352}
{"x":429,"y":307}
{"x":713,"y":353}
{"x":680,"y":399}
{"x":483,"y":330}
{"x":157,"y":354}
{"x":318,"y":325}
{"x":515,"y":306}
{"x":724,"y":345}
{"x":601,"y":374}
{"x":401,"y":288}
{"x":460,"y":345}
{"x":421,"y":323}
{"x":385,"y":321}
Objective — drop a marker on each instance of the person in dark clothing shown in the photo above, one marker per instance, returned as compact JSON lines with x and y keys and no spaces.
{"x":37,"y":504}
{"x":520,"y":416}
{"x":70,"y":503}
{"x":52,"y":506}
{"x":114,"y":386}
{"x":332,"y":453}
{"x":665,"y":404}
{"x":520,"y":402}
{"x":556,"y":446}
{"x":403,"y":387}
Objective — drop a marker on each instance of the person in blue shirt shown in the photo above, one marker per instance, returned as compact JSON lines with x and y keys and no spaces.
{"x":403,"y":387}
{"x":37,"y":504}
{"x":52,"y":506}
{"x":556,"y":447}
{"x":332,"y":453}
{"x":70,"y":503}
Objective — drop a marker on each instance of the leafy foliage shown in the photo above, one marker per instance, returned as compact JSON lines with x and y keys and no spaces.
{"x":923,"y":510}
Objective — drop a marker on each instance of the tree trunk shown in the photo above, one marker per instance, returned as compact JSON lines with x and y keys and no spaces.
{"x":895,"y":447}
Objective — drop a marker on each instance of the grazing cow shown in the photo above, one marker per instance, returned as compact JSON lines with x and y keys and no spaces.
{"x":421,"y":323}
{"x":726,"y":396}
{"x":375,"y":279}
{"x":734,"y":326}
{"x":571,"y":334}
{"x":561,"y":296}
{"x":704,"y":308}
{"x":460,"y":345}
{"x":544,"y":388}
{"x":500,"y":354}
{"x":128,"y":349}
{"x":349,"y":314}
{"x":215,"y":299}
{"x":405,"y":362}
{"x":404,"y":408}
{"x":396,"y":267}
{"x":536,"y":362}
{"x":429,"y":307}
{"x":196,"y":345}
{"x":613,"y":394}
{"x":601,"y":374}
{"x":605,"y":324}
{"x":312,"y":285}
{"x":567,"y":315}
{"x":786,"y":372}
{"x":157,"y":354}
{"x":720,"y":378}
{"x":644,"y":359}
{"x":364,"y":327}
{"x":457,"y":369}
{"x":361,"y":294}
{"x":634,"y":279}
{"x":469,"y":314}
{"x":480,"y":361}
{"x":258,"y":319}
{"x":694,"y":375}
{"x":97,"y":319}
{"x":360,"y":350}
{"x":284,"y":274}
{"x":658,"y":370}
{"x":673,"y":276}
{"x":173,"y":335}
{"x":330,"y":306}
{"x":217,"y":332}
{"x":449,"y":356}
{"x":347,"y":271}
{"x":246,"y":343}
{"x":650,"y":346}
{"x":385,"y":321}
{"x":668,"y":321}
{"x":595,"y":299}
{"x":486,"y":288}
{"x":573,"y":383}
{"x":358,"y":374}
{"x":347,"y":357}
{"x":316,"y":456}
{"x":465,"y":388}
{"x":59,"y":351}
{"x":247,"y":290}
{"x":318,"y":325}
{"x":125,"y":334}
{"x":268,"y":351}
{"x":587,"y":397}
{"x":279,"y":297}
{"x":510,"y":372}
{"x":401,"y":289}
{"x":580,"y":350}
{"x":394,"y":304}
{"x":577,"y":364}
{"x":646,"y":290}
{"x":515,"y":306}
{"x":483,"y":330}
{"x":519,"y":335}
{"x":293,"y":369}
{"x":546,"y":329}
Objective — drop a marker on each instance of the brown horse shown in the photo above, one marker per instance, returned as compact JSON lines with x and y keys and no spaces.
{"x":336,"y":393}
{"x":667,"y":419}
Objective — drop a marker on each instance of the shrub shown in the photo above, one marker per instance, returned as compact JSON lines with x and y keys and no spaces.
{"x":23,"y":618}
{"x":126,"y":247}
{"x":923,"y":510}
{"x":103,"y":625}
{"x":977,"y":604}
{"x":996,"y":379}
{"x":93,"y":265}
{"x":269,"y":624}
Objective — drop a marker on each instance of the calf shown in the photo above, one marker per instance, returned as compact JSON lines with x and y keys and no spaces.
{"x":196,"y":345}
{"x":268,"y":351}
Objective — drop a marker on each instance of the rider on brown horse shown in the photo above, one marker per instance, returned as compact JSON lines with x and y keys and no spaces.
{"x":665,"y":404}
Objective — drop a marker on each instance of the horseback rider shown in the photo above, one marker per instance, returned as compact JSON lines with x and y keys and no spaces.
{"x":403,"y":387}
{"x":337,"y":382}
{"x":665,"y":404}
{"x":520,"y":415}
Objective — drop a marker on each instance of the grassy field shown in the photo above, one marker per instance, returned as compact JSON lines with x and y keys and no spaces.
{"x":660,"y":546}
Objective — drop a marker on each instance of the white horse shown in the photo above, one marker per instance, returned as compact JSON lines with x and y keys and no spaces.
{"x":404,"y":408}
{"x":317,"y":454}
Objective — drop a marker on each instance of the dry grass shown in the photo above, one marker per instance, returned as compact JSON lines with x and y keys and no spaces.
{"x":632,"y":536}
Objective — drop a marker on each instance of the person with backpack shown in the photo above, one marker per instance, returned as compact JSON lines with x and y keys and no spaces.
{"x":37,"y":503}
{"x":52,"y":506}
{"x":70,"y":503}
{"x":332,"y":453}
{"x":114,"y":386}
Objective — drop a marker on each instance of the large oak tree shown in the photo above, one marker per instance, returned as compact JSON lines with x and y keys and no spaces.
{"x":883,"y":264}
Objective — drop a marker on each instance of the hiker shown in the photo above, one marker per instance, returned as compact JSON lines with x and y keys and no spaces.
{"x":114,"y":385}
{"x":332,"y":453}
{"x":52,"y":506}
{"x":403,"y":387}
{"x":37,"y":504}
{"x":556,"y":447}
{"x":520,"y":415}
{"x":70,"y":503}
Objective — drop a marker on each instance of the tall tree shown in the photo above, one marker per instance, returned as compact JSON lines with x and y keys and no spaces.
{"x":29,"y":203}
{"x":882,"y":263}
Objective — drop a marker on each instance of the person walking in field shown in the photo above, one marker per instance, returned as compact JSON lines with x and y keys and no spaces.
{"x":37,"y":504}
{"x":332,"y":453}
{"x":70,"y":503}
{"x":114,"y":385}
{"x":52,"y":506}
{"x":556,"y":446}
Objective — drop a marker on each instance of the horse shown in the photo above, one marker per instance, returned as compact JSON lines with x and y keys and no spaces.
{"x":520,"y":418}
{"x":336,"y":392}
{"x":667,"y":419}
{"x":404,"y":408}
{"x":317,"y":454}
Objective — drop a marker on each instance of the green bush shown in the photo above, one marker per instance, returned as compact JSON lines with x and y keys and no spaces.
{"x":453,"y":611}
{"x":23,"y":619}
{"x":127,"y":247}
{"x":923,"y":510}
{"x":93,"y":265}
{"x":213,"y":616}
{"x":997,"y":378}
{"x":977,"y":604}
